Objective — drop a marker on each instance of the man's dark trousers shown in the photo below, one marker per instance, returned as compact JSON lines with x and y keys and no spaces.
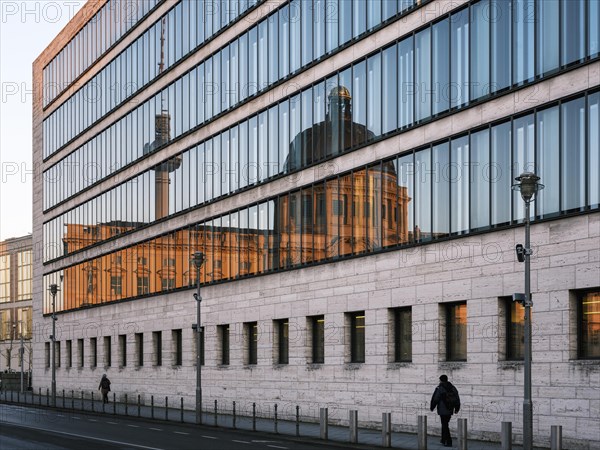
{"x":446,"y":438}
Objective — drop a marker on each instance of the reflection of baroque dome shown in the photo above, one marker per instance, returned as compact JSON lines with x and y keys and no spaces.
{"x":340,"y":92}
{"x":335,"y":135}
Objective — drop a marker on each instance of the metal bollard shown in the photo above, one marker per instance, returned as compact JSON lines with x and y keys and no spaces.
{"x":234,"y":415}
{"x":386,"y":429}
{"x":297,"y":420}
{"x":72,"y":400}
{"x":167,"y":409}
{"x":126,"y":406}
{"x":275,"y":422}
{"x":556,"y":437}
{"x":47,"y":397}
{"x":506,"y":435}
{"x":323,"y":423}
{"x":18,"y":396}
{"x":82,"y":400}
{"x":114,"y":403}
{"x":462,"y":434}
{"x":63,"y":392}
{"x":253,"y":416}
{"x":216,"y":414}
{"x":103,"y":406}
{"x":422,"y":432}
{"x":353,"y":425}
{"x":40,"y":396}
{"x":139,"y":408}
{"x":152,"y":406}
{"x":181,"y":409}
{"x":93,"y":403}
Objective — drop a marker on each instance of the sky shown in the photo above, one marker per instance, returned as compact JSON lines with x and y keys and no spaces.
{"x":26,"y":29}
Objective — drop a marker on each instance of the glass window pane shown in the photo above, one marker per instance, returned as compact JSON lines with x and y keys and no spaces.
{"x":480,"y":179}
{"x":523,"y":151}
{"x":501,"y":44}
{"x":422,"y":198}
{"x":593,"y":28}
{"x":459,"y":61}
{"x":390,"y":94}
{"x":594,"y":146}
{"x":440,"y":63}
{"x":547,"y":37}
{"x":573,"y":31}
{"x":423,"y":74}
{"x":573,"y":154}
{"x":405,"y":83}
{"x":459,"y":185}
{"x":480,"y":57}
{"x":523,"y":40}
{"x":374,"y":94}
{"x":456,"y":338}
{"x":548,"y":159}
{"x":307,"y":32}
{"x":406,"y":195}
{"x":441,"y":191}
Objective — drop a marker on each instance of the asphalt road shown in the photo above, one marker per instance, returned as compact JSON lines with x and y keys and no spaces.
{"x":30,"y":428}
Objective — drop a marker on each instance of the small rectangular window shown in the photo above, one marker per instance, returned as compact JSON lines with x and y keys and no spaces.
{"x":143,"y":285}
{"x":57,"y":353}
{"x":357,"y":336}
{"x":223,"y":333}
{"x":93,"y":352}
{"x":177,"y":347}
{"x":139,"y":348}
{"x":157,"y":347}
{"x":515,"y":330}
{"x":123,"y":350}
{"x":47,"y":350}
{"x":456,"y":332}
{"x":69,"y":353}
{"x":282,"y":342}
{"x":251,"y":342}
{"x":588,"y":345}
{"x":107,"y":351}
{"x":80,"y":352}
{"x":195,"y":344}
{"x":317,"y":325}
{"x":402,"y":334}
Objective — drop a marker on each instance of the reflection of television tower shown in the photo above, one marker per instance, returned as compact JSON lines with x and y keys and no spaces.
{"x":162,"y":135}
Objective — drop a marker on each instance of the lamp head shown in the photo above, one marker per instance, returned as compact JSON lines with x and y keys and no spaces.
{"x":53,"y":289}
{"x":198,"y":259}
{"x":528,"y":184}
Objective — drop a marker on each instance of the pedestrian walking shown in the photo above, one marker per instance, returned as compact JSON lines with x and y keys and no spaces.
{"x":104,"y":387}
{"x":446,"y":399}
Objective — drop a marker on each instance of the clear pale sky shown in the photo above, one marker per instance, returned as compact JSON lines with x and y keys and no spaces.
{"x":26,"y":28}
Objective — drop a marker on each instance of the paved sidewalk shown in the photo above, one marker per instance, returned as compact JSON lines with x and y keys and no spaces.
{"x":338,"y":435}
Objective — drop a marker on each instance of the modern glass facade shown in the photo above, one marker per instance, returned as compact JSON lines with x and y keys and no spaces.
{"x":444,"y":66}
{"x":346,"y":168}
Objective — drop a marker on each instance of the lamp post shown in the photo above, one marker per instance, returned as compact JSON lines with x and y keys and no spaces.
{"x":21,"y":352}
{"x":198,"y":260}
{"x":527,"y":184}
{"x":53,"y":291}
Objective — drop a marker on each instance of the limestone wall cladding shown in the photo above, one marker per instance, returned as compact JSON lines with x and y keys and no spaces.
{"x":478,"y":269}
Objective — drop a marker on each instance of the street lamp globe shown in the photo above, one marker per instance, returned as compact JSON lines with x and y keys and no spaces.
{"x":528,"y":184}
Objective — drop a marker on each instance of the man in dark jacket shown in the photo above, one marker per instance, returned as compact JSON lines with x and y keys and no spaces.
{"x":446,"y":398}
{"x":104,"y":387}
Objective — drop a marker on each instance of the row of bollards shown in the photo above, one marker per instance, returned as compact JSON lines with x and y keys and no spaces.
{"x":386,"y":420}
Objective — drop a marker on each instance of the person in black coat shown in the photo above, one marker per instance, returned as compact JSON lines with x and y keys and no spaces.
{"x":104,"y":387}
{"x":440,"y":399}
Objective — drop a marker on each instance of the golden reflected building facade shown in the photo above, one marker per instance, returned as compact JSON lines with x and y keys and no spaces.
{"x":349,"y":183}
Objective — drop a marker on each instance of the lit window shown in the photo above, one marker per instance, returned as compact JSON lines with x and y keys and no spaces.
{"x":357,"y":337}
{"x":515,"y":330}
{"x":456,"y":332}
{"x":589,"y":325}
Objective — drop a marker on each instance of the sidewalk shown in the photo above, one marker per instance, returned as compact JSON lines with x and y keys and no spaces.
{"x":338,"y":435}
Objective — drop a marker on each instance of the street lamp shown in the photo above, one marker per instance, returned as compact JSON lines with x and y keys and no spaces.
{"x":527,"y":184}
{"x":53,"y":291}
{"x":198,"y":260}
{"x":21,"y":349}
